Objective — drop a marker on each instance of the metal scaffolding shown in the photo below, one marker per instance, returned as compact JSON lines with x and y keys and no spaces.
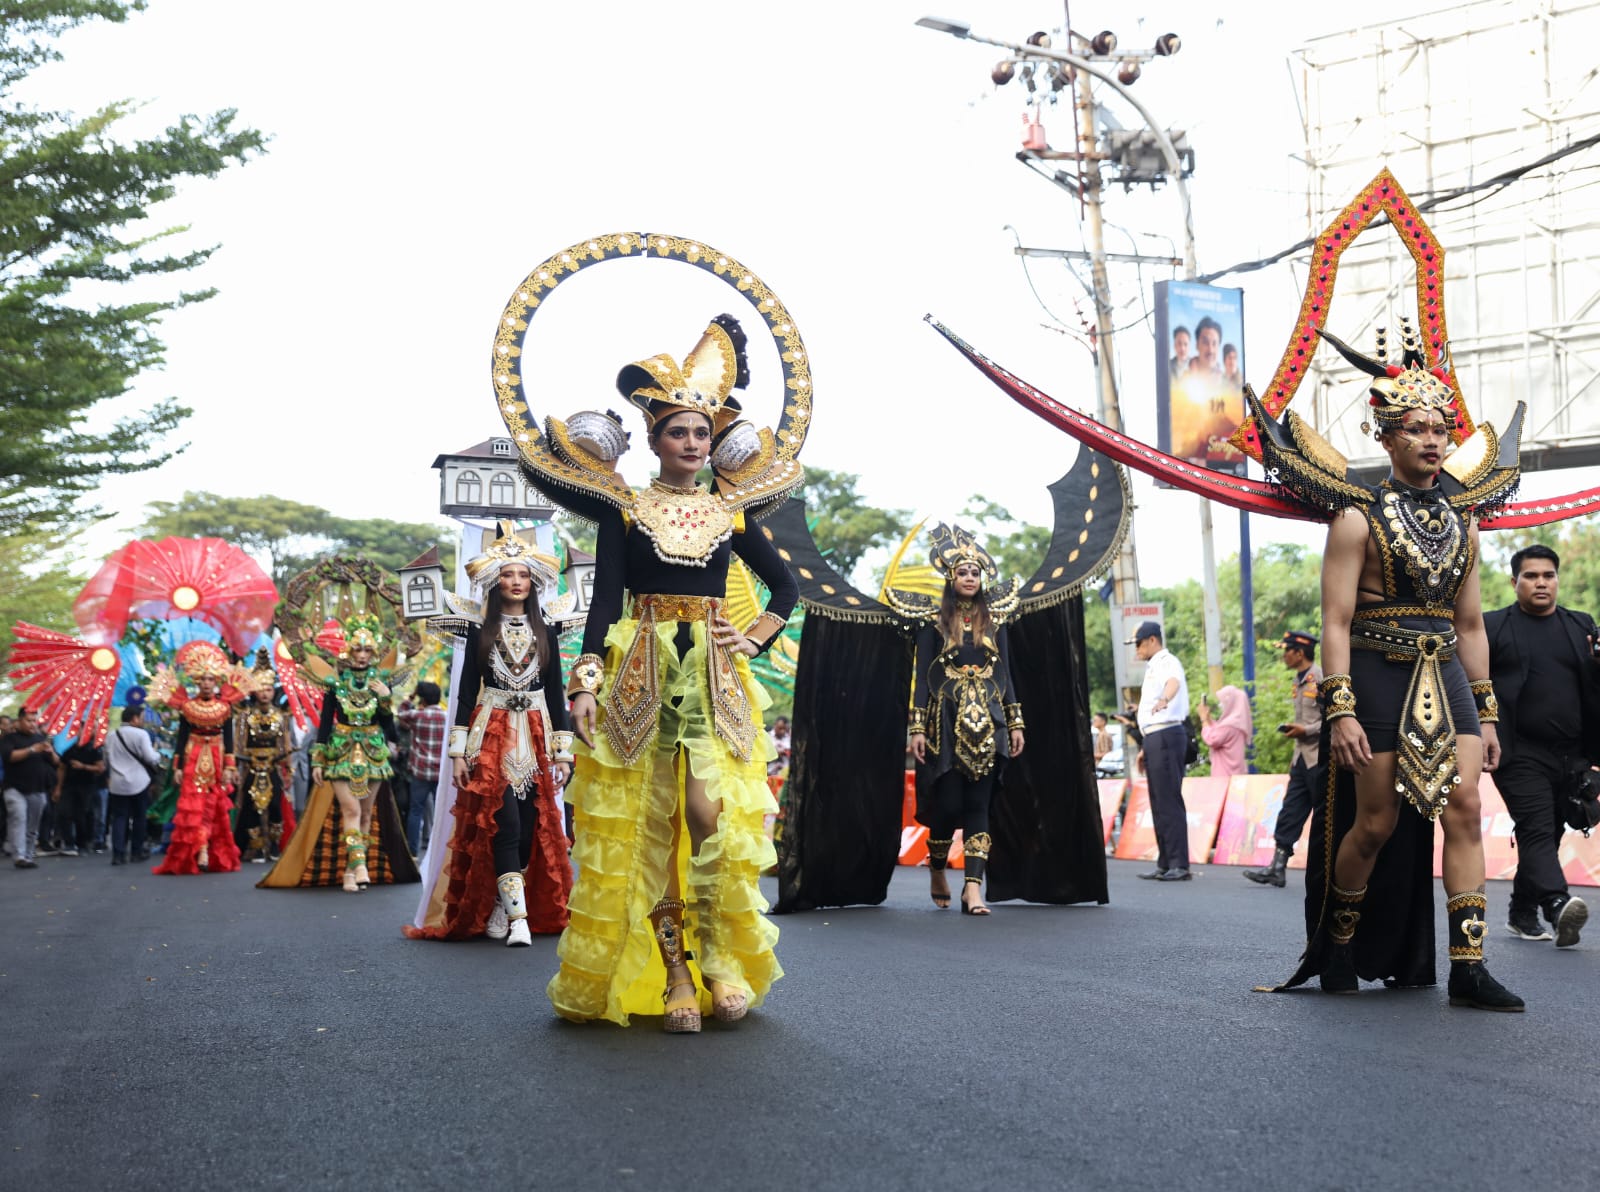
{"x":1453,"y":99}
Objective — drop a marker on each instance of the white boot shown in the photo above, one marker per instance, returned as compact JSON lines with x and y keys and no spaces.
{"x":515,"y":905}
{"x":498,"y":926}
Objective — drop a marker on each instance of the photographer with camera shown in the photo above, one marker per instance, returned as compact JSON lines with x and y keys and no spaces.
{"x":1542,"y":660}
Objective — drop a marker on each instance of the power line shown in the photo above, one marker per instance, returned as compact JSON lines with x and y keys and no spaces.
{"x":1499,"y":182}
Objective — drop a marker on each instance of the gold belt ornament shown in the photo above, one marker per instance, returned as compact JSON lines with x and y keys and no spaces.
{"x":633,"y":705}
{"x":676,"y":608}
{"x":1425,"y":744}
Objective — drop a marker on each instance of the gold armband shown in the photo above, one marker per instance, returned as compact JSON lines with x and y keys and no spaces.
{"x":588,"y":673}
{"x":1488,"y":705}
{"x":1338,"y":699}
{"x":458,"y":741}
{"x":561,"y":747}
{"x":1014,"y":717}
{"x":774,"y":623}
{"x":919,"y":721}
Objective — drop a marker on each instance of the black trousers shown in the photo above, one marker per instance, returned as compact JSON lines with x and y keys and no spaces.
{"x":1531,"y":782}
{"x":1163,"y":769}
{"x":956,"y":801}
{"x":75,"y":816}
{"x":127,"y":817}
{"x":1298,"y":797}
{"x":513,"y":832}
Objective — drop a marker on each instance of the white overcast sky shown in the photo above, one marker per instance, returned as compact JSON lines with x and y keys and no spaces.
{"x":425,"y":157}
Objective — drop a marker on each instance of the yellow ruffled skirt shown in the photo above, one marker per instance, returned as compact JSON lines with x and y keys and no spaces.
{"x":623,"y":821}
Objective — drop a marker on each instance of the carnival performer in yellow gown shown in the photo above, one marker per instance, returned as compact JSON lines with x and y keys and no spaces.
{"x":670,"y":794}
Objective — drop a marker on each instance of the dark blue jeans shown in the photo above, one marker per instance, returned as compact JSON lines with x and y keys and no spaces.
{"x":126,"y":809}
{"x":420,"y":814}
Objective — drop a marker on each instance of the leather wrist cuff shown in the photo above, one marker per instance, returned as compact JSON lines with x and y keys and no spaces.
{"x":765,"y":630}
{"x":561,"y":746}
{"x":458,"y":741}
{"x":1014,"y":717}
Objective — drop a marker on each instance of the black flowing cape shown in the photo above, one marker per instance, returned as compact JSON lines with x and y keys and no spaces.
{"x":1394,"y":940}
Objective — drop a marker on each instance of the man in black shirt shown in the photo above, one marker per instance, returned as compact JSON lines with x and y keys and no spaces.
{"x":1541,"y":658}
{"x":30,"y":777}
{"x":83,"y":773}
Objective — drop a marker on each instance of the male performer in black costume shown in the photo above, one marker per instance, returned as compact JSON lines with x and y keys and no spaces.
{"x":1305,"y":775}
{"x":1542,"y":660}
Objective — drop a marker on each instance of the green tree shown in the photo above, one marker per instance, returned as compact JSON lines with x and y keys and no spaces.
{"x":844,"y":524}
{"x":73,"y":205}
{"x":1018,"y":547}
{"x":292,"y":534}
{"x":40,"y":587}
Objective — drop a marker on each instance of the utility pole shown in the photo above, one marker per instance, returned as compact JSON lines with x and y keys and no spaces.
{"x":1125,"y":571}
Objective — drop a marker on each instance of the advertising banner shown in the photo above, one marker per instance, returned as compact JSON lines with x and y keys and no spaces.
{"x":1202,"y":799}
{"x":1111,"y":792}
{"x":1249,"y":817}
{"x":1199,"y":372}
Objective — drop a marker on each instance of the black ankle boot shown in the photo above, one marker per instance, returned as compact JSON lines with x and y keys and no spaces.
{"x":1275,"y":874}
{"x":1344,"y":915}
{"x":1470,"y":983}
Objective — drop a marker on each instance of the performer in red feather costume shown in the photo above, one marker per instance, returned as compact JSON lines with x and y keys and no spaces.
{"x":202,"y":836}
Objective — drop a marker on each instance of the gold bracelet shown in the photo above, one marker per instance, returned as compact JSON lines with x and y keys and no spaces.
{"x":1014,"y":717}
{"x":919,"y":721}
{"x":1488,"y":706}
{"x":1338,"y":699}
{"x":561,"y":746}
{"x":588,"y":673}
{"x":458,"y":741}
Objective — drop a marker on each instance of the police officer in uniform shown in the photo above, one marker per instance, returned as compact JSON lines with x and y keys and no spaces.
{"x":1299,"y":655}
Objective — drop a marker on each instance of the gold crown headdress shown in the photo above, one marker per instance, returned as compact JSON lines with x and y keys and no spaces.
{"x":203,"y":660}
{"x":362,"y":631}
{"x":513,"y":546}
{"x":265,"y":677}
{"x":953,"y":546}
{"x":1405,"y":388}
{"x":703,"y":384}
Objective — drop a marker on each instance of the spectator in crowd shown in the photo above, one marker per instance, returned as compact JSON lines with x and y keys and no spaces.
{"x":1103,"y":744}
{"x":428,"y":726}
{"x":301,"y":737}
{"x":30,"y":777}
{"x":1229,"y":735}
{"x":77,"y":795}
{"x":132,"y":764}
{"x":779,"y":766}
{"x":1305,"y":775}
{"x":1163,"y":708}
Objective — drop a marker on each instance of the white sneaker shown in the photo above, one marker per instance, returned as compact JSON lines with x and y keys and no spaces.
{"x":518,"y":937}
{"x":498,"y":926}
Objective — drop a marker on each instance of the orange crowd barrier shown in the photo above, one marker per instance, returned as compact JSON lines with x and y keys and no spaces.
{"x":1202,"y":799}
{"x":1111,"y":792}
{"x":1249,"y":817}
{"x":913,"y":836}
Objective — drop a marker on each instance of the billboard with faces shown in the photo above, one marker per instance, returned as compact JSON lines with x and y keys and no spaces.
{"x":1200,"y":372}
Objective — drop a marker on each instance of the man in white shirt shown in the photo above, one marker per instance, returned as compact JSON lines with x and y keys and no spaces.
{"x":1163,"y":707}
{"x":131,"y":758}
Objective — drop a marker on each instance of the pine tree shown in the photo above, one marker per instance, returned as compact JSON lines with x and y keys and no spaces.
{"x":73,"y":201}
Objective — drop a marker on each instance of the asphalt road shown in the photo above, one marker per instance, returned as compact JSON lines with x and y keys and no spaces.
{"x":197,"y":1032}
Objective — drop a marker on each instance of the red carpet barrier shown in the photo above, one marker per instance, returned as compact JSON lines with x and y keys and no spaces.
{"x":1202,"y":797}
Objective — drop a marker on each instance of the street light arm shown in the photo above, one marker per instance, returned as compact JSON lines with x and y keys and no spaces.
{"x":1168,"y":149}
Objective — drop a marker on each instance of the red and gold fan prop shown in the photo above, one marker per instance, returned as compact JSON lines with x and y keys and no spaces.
{"x":69,"y":680}
{"x":305,"y":699}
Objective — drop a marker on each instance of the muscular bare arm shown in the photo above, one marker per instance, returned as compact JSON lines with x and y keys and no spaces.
{"x":1472,"y":645}
{"x":1342,"y":561}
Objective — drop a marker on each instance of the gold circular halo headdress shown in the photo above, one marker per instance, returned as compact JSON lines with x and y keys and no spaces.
{"x":562,"y":458}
